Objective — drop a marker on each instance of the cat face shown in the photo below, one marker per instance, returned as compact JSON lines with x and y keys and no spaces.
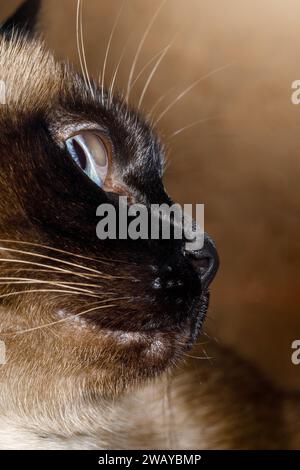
{"x":75,"y":309}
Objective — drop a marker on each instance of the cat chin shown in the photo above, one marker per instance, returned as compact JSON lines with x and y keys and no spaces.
{"x":137,"y":355}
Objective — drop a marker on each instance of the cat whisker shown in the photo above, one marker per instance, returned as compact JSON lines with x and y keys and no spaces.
{"x":80,"y":45}
{"x":84,"y":54}
{"x":139,"y":49}
{"x":34,"y":291}
{"x":166,"y":162}
{"x":32,"y":263}
{"x":187,"y":90}
{"x":193,"y":124}
{"x":206,"y":355}
{"x":50,"y":258}
{"x":212,"y":338}
{"x":148,"y":81}
{"x":78,"y":40}
{"x":71,"y":317}
{"x":34,"y":270}
{"x":52,"y":270}
{"x":158,"y":54}
{"x":204,"y":343}
{"x":204,"y":358}
{"x":210,"y":318}
{"x":104,"y":261}
{"x":113,"y":80}
{"x":157,"y":103}
{"x":68,"y":285}
{"x":108,"y":49}
{"x":66,"y":271}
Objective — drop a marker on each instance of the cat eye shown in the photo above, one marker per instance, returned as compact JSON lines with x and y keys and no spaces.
{"x":90,"y":153}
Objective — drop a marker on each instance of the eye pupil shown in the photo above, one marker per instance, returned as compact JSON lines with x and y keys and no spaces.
{"x":80,"y":155}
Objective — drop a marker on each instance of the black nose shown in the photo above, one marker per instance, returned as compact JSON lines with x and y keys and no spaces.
{"x":206,"y":261}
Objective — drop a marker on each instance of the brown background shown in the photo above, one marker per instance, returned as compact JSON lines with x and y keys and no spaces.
{"x":245,"y":165}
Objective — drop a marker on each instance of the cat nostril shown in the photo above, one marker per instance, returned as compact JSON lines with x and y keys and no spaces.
{"x":201,"y":265}
{"x":205,"y":261}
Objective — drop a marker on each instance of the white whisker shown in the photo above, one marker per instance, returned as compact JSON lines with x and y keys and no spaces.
{"x":189,"y":126}
{"x":113,"y":80}
{"x":78,"y":41}
{"x":157,"y":103}
{"x":163,"y":54}
{"x":107,"y":50}
{"x":139,"y":49}
{"x":187,"y":90}
{"x":67,"y":285}
{"x":31,"y":291}
{"x":158,"y":54}
{"x":38,"y":255}
{"x":57,"y":250}
{"x":46,"y":325}
{"x":52,"y":268}
{"x":83,"y":51}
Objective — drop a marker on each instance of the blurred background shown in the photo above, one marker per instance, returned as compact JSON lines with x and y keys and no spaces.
{"x":242,"y":160}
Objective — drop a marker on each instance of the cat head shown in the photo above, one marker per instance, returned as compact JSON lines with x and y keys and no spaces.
{"x":94,"y":316}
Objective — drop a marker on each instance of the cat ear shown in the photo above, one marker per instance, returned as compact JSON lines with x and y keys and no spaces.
{"x":24,"y":19}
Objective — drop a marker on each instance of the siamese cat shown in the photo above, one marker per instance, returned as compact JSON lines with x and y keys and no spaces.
{"x":98,"y":332}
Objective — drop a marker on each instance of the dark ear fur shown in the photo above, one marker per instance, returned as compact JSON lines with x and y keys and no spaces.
{"x":24,"y":19}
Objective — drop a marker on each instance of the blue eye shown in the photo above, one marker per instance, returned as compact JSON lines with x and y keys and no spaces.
{"x":90,"y":154}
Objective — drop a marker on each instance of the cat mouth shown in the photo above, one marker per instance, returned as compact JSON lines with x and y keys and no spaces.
{"x":145,"y":351}
{"x":159,"y":319}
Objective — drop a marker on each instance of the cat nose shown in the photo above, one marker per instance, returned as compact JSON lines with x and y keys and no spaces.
{"x":205,"y":261}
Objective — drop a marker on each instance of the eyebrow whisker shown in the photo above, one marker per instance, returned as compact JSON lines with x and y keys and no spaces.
{"x":108,"y":49}
{"x":160,"y":99}
{"x":113,"y":80}
{"x":78,"y":40}
{"x":148,"y":81}
{"x":187,"y":90}
{"x":80,"y":46}
{"x":158,"y":54}
{"x":140,"y":46}
{"x":193,"y":124}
